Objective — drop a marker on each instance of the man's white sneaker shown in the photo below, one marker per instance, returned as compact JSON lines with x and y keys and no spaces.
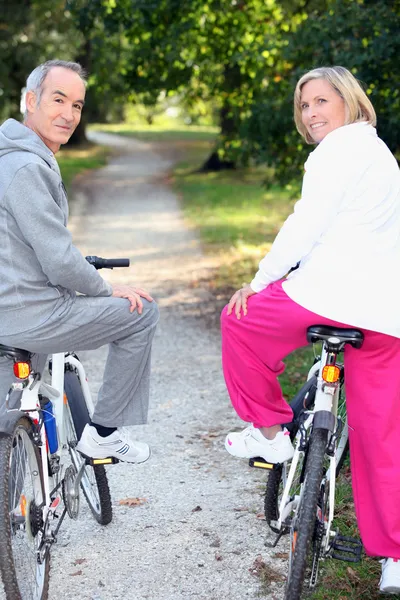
{"x":95,"y":446}
{"x":250,"y":443}
{"x":390,"y":579}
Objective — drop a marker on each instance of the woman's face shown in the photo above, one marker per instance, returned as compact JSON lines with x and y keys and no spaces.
{"x":322,"y":108}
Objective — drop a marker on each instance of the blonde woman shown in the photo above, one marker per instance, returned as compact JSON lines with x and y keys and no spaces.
{"x":345,"y":232}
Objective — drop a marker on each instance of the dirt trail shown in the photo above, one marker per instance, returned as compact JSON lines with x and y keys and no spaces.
{"x":197,"y":535}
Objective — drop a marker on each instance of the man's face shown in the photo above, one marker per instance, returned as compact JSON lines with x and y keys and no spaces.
{"x":60,"y":107}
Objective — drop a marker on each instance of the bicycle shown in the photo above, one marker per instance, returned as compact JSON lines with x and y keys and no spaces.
{"x":300,"y":494}
{"x":40,"y":469}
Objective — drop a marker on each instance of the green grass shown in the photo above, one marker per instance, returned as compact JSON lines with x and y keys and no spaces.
{"x":78,"y":160}
{"x":160,"y":133}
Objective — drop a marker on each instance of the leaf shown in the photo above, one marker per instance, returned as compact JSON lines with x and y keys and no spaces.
{"x":132,"y":502}
{"x":76,"y":573}
{"x":284,"y":555}
{"x":197,"y":509}
{"x":79,"y":561}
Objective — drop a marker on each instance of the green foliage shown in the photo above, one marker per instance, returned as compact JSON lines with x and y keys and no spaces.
{"x":363,"y":36}
{"x":31,"y":31}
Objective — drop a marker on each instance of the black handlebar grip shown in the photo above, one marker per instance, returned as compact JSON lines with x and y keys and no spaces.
{"x":110,"y":263}
{"x":107,"y":263}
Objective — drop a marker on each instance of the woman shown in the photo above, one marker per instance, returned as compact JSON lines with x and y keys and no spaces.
{"x":345,"y":231}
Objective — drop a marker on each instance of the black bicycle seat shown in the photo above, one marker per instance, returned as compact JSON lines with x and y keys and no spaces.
{"x":16,"y":353}
{"x":316,"y":333}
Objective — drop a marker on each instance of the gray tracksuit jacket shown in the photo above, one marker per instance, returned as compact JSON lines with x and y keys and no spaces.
{"x":40,"y":268}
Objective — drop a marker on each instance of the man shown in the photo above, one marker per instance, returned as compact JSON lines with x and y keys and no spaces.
{"x":51,"y":298}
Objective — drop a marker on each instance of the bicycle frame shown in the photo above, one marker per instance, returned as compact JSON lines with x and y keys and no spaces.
{"x":326,"y":399}
{"x":30,"y":405}
{"x":58,"y":362}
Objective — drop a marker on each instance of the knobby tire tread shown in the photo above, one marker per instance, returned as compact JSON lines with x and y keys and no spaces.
{"x":7,"y":569}
{"x":80,"y":417}
{"x":271,"y":499}
{"x":307,"y":513}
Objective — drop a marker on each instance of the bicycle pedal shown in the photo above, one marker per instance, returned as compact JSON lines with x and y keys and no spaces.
{"x":260,"y":463}
{"x":111,"y":460}
{"x":346,"y":548}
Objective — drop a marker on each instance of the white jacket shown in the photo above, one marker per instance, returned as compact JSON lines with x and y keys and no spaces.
{"x":345,"y":231}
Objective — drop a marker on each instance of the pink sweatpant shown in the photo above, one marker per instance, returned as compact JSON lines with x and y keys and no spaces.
{"x":252,"y":352}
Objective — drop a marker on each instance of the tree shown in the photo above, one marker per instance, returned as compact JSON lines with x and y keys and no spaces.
{"x":363,"y":36}
{"x":31,"y":31}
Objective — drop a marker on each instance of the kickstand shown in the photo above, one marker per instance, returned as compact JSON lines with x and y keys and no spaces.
{"x":278,"y":537}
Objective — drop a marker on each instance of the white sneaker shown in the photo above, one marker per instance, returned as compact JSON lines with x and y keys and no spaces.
{"x":250,"y":443}
{"x":95,"y":446}
{"x":390,"y":579}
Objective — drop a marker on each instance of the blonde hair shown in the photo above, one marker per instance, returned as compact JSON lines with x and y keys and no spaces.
{"x":359,"y":107}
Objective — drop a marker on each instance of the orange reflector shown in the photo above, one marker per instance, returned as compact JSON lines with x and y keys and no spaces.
{"x":22,"y":369}
{"x":330,"y":373}
{"x":294,"y":541}
{"x":65,"y":399}
{"x":22,"y":505}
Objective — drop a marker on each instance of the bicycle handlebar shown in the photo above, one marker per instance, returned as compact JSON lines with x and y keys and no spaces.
{"x":107,"y":263}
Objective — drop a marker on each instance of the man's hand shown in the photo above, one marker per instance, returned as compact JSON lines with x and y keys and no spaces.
{"x":133,"y":294}
{"x":238,"y":302}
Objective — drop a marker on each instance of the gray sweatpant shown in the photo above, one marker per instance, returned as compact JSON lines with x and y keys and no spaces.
{"x":86,"y":324}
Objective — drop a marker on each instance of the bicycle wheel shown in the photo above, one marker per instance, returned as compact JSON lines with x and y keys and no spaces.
{"x":304,"y":523}
{"x":276,"y":483}
{"x":94,"y":481}
{"x":22,"y":497}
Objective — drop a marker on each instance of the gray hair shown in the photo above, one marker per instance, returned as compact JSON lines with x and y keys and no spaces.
{"x":35,"y":80}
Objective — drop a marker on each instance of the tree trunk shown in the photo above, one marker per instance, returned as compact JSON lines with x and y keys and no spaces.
{"x":232,"y":80}
{"x":79,"y":138}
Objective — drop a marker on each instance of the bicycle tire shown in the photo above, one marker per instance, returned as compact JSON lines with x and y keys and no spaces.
{"x":94,"y":476}
{"x":21,"y":486}
{"x":303,"y":526}
{"x":276,"y":479}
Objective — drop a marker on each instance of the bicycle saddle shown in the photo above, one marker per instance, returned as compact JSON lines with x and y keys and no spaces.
{"x":16,"y":353}
{"x":354,"y":337}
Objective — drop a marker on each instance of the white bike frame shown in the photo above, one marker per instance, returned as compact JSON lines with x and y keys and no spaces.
{"x":31,"y":388}
{"x":326,"y":399}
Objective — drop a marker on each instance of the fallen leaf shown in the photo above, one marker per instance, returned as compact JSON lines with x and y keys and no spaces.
{"x":79,"y":561}
{"x":132,"y":501}
{"x":241,"y":509}
{"x":218,"y":556}
{"x":197,"y":509}
{"x":260,"y":516}
{"x":76,"y":573}
{"x":284,"y":555}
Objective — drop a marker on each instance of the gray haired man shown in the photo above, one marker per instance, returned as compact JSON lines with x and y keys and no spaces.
{"x":51,"y":298}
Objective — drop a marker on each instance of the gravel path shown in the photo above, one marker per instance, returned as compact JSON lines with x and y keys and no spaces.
{"x":199,"y":531}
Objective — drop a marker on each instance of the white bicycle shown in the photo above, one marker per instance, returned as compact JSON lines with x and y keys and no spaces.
{"x":41,"y":471}
{"x":300,"y":494}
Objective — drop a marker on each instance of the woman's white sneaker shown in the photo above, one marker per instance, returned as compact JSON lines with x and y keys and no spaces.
{"x":95,"y":446}
{"x":390,"y":579}
{"x":250,"y":443}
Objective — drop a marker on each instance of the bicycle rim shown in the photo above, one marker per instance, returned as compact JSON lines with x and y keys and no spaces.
{"x":305,"y":519}
{"x":276,"y":484}
{"x":90,"y":484}
{"x":94,"y":483}
{"x":21,"y":522}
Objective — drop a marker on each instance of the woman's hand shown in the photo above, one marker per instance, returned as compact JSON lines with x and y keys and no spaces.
{"x":133,"y":294}
{"x":238,"y":302}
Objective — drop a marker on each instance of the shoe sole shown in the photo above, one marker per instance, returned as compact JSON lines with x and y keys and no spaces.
{"x":88,"y":452}
{"x":268,"y":460}
{"x":390,"y":590}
